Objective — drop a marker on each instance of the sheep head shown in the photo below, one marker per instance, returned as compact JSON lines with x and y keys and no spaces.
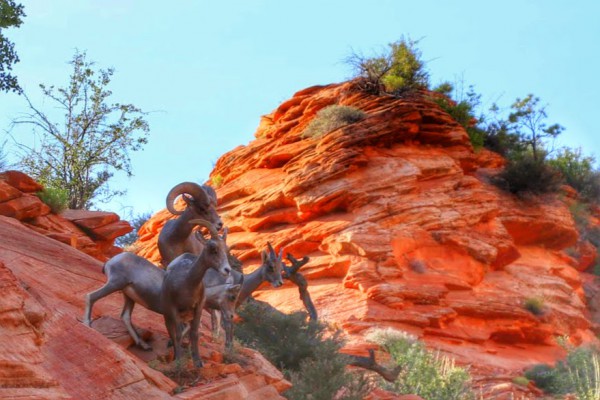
{"x":200,"y":200}
{"x":215,"y":248}
{"x":273,"y":266}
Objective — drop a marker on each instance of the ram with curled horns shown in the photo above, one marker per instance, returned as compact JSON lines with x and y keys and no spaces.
{"x":176,"y":237}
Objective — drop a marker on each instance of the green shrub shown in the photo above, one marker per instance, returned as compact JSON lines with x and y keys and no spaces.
{"x":499,"y":138}
{"x":525,"y":174}
{"x":330,"y":118}
{"x":397,"y":70}
{"x":306,"y":351}
{"x":545,"y":377}
{"x":461,"y":108}
{"x":325,"y":378}
{"x":578,"y":374}
{"x":534,"y":305}
{"x":578,"y":171}
{"x":424,"y":373}
{"x":583,"y":373}
{"x":56,"y":198}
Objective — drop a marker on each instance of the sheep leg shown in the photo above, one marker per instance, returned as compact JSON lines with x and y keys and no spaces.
{"x":91,"y":298}
{"x":194,"y":335}
{"x":228,"y":327}
{"x":174,"y":333}
{"x":215,"y":323}
{"x":126,"y":317}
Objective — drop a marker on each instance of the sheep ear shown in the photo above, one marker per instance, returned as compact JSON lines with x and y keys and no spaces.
{"x":225,"y":232}
{"x":264,"y":256}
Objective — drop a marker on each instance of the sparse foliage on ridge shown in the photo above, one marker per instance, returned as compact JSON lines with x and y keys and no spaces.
{"x":462,"y":107}
{"x":11,"y":15}
{"x":579,"y":172}
{"x":396,"y":70}
{"x":93,"y":141}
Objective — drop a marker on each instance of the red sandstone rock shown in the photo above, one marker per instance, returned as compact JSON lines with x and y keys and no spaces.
{"x":42,"y":341}
{"x":404,"y":230}
{"x":20,"y":181}
{"x":8,"y":192}
{"x":24,"y":207}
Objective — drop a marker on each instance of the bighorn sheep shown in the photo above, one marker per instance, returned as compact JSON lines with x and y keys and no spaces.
{"x":183,"y":292}
{"x":269,"y":271}
{"x":138,"y":279}
{"x":175,"y":238}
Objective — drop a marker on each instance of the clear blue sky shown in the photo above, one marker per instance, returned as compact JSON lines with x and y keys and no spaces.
{"x":207,"y":70}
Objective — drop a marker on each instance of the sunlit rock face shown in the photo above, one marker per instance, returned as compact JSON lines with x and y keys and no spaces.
{"x":404,"y":229}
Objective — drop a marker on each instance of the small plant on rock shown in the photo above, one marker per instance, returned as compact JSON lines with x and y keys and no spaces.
{"x":534,"y":305}
{"x":331,"y":118}
{"x":56,"y":198}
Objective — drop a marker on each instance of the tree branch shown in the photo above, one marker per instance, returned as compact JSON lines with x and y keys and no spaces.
{"x":292,"y":274}
{"x":371,"y":364}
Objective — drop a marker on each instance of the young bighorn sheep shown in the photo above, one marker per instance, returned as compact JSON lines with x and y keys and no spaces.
{"x":269,"y":271}
{"x":176,"y":237}
{"x":138,"y":279}
{"x":183,"y":292}
{"x":222,"y":298}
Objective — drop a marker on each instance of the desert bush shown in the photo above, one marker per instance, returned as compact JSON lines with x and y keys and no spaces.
{"x":579,"y":172}
{"x":545,"y":377}
{"x":578,"y":374}
{"x":525,"y":174}
{"x":306,"y":351}
{"x":330,"y":118}
{"x":499,"y":138}
{"x":56,"y":198}
{"x":534,"y":305}
{"x":396,"y":71}
{"x":424,"y":373}
{"x":462,"y":107}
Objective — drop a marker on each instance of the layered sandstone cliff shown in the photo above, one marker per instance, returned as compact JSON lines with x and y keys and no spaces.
{"x":404,"y":230}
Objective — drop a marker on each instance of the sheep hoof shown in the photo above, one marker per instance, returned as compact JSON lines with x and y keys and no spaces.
{"x":198,"y":363}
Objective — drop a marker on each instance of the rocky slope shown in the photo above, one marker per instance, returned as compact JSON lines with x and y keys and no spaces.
{"x":92,"y":232}
{"x":404,"y":230}
{"x":47,"y":353}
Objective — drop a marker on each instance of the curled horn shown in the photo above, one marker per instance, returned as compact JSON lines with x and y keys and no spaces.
{"x":191,"y":188}
{"x":201,"y":222}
